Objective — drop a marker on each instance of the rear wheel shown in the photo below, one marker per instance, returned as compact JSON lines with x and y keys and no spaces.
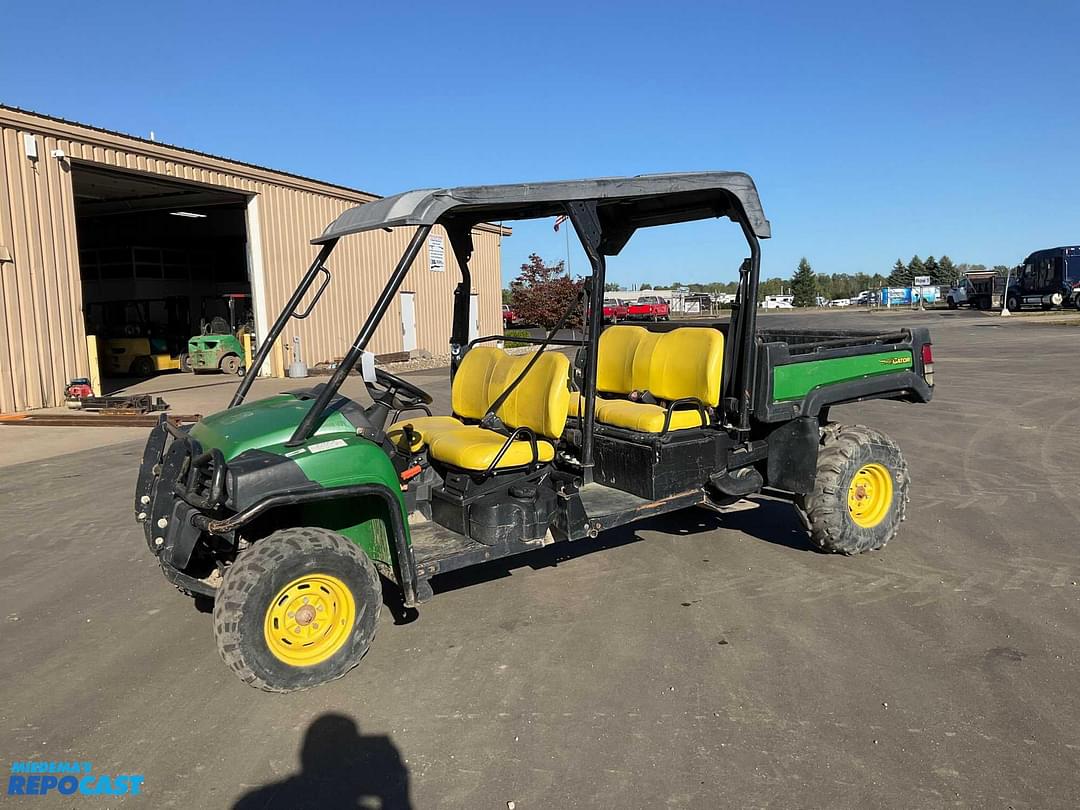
{"x":298,"y":609}
{"x":860,"y":495}
{"x":231,"y":364}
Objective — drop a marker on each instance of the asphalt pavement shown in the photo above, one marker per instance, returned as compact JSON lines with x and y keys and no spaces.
{"x":688,"y":661}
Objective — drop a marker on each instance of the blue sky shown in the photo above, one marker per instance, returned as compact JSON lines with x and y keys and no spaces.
{"x":872,"y":131}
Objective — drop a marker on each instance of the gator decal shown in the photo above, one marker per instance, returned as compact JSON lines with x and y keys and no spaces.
{"x":796,"y":380}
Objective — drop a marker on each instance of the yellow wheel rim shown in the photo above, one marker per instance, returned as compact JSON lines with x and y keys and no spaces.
{"x":309,"y":620}
{"x":870,"y":495}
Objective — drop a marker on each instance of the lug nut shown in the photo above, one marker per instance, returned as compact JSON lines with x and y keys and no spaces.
{"x":144,"y":499}
{"x":141,"y":516}
{"x":159,"y":541}
{"x":162,"y":523}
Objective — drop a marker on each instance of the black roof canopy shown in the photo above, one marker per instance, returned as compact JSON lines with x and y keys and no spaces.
{"x":624,"y":204}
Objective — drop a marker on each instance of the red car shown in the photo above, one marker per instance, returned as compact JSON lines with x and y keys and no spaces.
{"x":508,"y":316}
{"x":614,"y":310}
{"x":649,"y":308}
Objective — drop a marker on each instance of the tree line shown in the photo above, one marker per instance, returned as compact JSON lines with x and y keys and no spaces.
{"x":541,"y":290}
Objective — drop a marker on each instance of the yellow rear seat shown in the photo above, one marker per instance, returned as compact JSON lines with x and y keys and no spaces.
{"x":680,"y":364}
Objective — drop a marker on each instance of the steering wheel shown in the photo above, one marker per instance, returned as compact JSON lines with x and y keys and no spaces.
{"x":394,"y":392}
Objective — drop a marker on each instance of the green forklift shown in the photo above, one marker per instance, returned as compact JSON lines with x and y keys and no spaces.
{"x":220,"y":346}
{"x":293,"y":512}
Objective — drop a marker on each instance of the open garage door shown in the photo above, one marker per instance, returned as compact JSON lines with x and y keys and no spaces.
{"x":161,"y":263}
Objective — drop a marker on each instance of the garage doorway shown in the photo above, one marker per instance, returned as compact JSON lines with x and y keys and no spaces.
{"x":161,"y":263}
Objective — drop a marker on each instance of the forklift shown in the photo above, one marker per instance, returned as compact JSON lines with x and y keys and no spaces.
{"x":220,"y":346}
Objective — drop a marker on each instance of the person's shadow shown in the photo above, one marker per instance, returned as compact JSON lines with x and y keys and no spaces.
{"x":339,"y":768}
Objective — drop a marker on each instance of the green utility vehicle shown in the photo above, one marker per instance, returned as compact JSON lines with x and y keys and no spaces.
{"x":290,"y":512}
{"x":220,"y":346}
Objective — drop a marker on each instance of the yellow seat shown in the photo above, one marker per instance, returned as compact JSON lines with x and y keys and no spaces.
{"x":468,"y":399}
{"x":539,"y":402}
{"x":643,"y":417}
{"x":685,"y":363}
{"x":425,"y":428}
{"x":474,"y":448}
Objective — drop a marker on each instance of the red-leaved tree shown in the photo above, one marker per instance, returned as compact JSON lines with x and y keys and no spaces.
{"x":542,"y":292}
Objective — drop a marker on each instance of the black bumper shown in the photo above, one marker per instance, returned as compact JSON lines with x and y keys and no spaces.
{"x":177,"y":481}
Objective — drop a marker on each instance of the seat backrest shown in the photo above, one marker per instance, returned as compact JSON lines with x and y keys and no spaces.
{"x":540,"y":401}
{"x":469,"y":394}
{"x":625,"y":355}
{"x":687,"y":362}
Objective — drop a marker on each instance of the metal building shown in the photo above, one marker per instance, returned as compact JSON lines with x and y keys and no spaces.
{"x":105,"y":233}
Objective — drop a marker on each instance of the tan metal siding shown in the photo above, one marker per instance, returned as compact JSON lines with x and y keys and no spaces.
{"x":42,"y":339}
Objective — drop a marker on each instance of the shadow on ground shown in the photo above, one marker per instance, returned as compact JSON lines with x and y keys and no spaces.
{"x":339,"y":768}
{"x":774,"y":521}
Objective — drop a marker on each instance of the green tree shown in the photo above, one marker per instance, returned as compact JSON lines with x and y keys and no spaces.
{"x":930,"y":268}
{"x":645,"y":286}
{"x":804,"y":285}
{"x":898,"y":275}
{"x":611,"y":286}
{"x":946,"y":273}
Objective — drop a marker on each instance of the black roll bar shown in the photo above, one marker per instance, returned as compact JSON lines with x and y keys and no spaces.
{"x":313,"y":417}
{"x":586,"y":222}
{"x":287,"y":312}
{"x":748,"y":328}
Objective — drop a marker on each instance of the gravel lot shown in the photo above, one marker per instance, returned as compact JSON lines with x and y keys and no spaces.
{"x":686,"y":661}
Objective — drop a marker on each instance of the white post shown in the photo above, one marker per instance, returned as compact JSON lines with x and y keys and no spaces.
{"x":1004,"y":294}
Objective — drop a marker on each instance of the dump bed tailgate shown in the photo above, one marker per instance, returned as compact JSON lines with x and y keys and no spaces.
{"x":801,"y":372}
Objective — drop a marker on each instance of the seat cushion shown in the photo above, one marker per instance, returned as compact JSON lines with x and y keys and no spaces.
{"x":425,"y":428}
{"x":474,"y":448}
{"x":642,"y":417}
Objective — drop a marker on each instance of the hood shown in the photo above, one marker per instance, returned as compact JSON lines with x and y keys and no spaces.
{"x":264,"y":424}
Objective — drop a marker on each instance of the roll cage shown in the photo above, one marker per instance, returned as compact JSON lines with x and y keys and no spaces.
{"x":605,"y":214}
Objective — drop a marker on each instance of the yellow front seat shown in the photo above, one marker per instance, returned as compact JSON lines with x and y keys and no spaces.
{"x":468,"y":399}
{"x":539,"y":403}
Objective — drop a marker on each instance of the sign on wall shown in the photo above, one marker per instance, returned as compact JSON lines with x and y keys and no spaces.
{"x":436,"y":249}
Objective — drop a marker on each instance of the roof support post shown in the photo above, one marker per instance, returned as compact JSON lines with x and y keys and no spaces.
{"x":313,"y":417}
{"x":748,"y":329}
{"x":266,"y":343}
{"x":587,"y":224}
{"x":462,"y":244}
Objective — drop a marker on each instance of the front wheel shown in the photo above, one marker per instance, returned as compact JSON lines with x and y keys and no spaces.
{"x":860,"y":495}
{"x":298,"y":609}
{"x":952,"y":303}
{"x":1012,"y":303}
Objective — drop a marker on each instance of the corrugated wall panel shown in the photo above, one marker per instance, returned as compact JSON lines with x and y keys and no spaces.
{"x":43,"y":340}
